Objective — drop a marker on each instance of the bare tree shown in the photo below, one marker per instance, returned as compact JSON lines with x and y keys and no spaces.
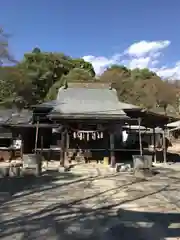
{"x":5,"y":55}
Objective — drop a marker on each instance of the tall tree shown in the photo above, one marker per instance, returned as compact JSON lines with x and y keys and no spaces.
{"x":75,"y":75}
{"x":43,"y":70}
{"x":5,"y":55}
{"x":81,"y":64}
{"x":120,"y":78}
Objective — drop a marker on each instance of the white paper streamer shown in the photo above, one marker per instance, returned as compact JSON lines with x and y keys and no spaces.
{"x":74,"y":135}
{"x":94,"y":136}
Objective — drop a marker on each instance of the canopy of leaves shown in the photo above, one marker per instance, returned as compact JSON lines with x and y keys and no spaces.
{"x":75,"y":75}
{"x":81,"y":64}
{"x":36,"y":75}
{"x":53,"y":91}
{"x":39,"y":76}
{"x":141,"y":87}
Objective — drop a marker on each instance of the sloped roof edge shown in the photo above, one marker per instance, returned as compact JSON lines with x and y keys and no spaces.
{"x":92,"y":85}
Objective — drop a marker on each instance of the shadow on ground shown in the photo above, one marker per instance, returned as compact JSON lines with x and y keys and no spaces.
{"x":74,"y":220}
{"x":26,"y":185}
{"x":173,"y":157}
{"x":85,"y":223}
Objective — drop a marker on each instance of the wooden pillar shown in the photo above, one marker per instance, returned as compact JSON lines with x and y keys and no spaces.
{"x":66,"y":148}
{"x":164,"y":147}
{"x":22,"y":147}
{"x":42,"y":141}
{"x":154,"y":144}
{"x":37,"y":133}
{"x":112,"y":152}
{"x":62,"y":147}
{"x":140,"y":139}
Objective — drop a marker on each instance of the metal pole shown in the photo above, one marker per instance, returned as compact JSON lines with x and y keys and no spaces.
{"x":37,"y":132}
{"x":140,"y":139}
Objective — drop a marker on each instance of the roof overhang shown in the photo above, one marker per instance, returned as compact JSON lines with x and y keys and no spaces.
{"x":150,"y":119}
{"x":53,"y":116}
{"x":41,"y":125}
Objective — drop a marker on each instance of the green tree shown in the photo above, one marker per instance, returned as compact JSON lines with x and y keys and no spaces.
{"x":140,"y":87}
{"x":14,"y":87}
{"x":120,"y":78}
{"x":53,"y":91}
{"x":75,"y":75}
{"x":142,"y":74}
{"x":43,"y":70}
{"x":79,"y":75}
{"x":81,"y":64}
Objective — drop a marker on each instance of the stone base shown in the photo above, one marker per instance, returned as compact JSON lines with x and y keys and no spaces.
{"x":143,"y":173}
{"x":64,"y":169}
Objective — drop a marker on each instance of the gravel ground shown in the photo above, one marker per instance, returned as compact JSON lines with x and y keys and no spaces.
{"x":91,"y":202}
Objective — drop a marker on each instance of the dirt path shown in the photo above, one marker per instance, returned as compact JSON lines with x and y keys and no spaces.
{"x":92,"y":202}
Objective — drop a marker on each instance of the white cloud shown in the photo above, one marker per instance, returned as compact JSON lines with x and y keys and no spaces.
{"x":143,"y":54}
{"x":142,"y":48}
{"x":141,"y":62}
{"x":171,"y":73}
{"x":101,"y":63}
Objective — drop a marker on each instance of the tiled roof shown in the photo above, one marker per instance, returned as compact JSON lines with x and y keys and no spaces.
{"x":87,"y":100}
{"x":10,"y":116}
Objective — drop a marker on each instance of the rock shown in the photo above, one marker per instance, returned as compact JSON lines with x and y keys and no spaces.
{"x":14,"y":172}
{"x":123,"y":168}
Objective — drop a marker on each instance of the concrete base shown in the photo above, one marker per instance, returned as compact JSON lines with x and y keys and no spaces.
{"x":143,"y":173}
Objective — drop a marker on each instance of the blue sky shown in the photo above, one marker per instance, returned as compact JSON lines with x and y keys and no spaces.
{"x":101,"y":30}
